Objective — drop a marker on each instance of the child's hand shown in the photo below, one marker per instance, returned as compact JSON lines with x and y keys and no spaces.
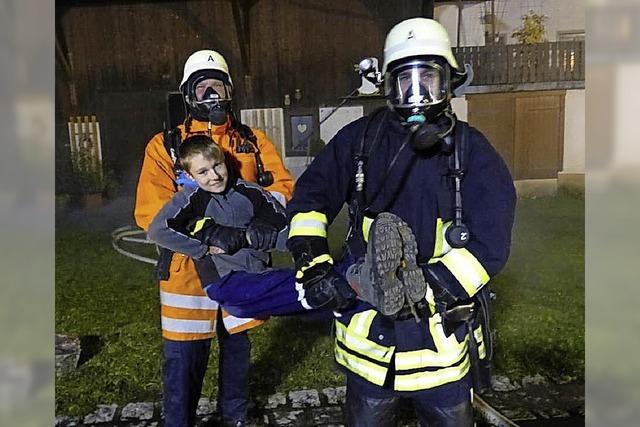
{"x":214,"y":250}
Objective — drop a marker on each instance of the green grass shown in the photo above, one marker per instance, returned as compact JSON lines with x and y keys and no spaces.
{"x":539,"y":310}
{"x":112,"y":302}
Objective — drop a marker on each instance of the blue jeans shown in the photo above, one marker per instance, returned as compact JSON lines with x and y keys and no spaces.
{"x":372,"y":406}
{"x":184,"y":367}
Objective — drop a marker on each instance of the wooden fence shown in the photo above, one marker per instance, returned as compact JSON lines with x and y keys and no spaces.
{"x":86,"y":153}
{"x":509,"y":64}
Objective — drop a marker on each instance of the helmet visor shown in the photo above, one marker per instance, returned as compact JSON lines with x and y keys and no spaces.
{"x":418,"y":83}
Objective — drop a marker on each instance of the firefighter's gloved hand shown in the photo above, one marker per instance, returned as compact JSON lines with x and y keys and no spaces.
{"x":326,"y":288}
{"x":262,"y":235}
{"x":229,"y":239}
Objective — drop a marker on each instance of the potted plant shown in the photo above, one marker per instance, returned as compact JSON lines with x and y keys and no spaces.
{"x":89,"y":177}
{"x":532,"y":29}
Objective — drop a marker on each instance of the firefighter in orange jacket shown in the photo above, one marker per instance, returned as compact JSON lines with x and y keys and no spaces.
{"x":189,"y":318}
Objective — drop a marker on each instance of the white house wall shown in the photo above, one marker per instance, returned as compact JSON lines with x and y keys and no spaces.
{"x":563,"y":15}
{"x":574,"y":134}
{"x":625,"y":140}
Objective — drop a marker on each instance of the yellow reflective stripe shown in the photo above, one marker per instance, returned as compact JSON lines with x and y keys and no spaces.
{"x":448,"y":350}
{"x":364,"y":368}
{"x":311,"y":215}
{"x":426,"y":358}
{"x":467,"y":269}
{"x":430,"y":379}
{"x":362,"y":345}
{"x":308,"y":224}
{"x":442,"y":342}
{"x":200,"y":224}
{"x":482,"y":351}
{"x":361,"y":322}
{"x":317,"y":260}
{"x":366,"y":227}
{"x":441,"y":246}
{"x":437,"y":247}
{"x":431,"y":299}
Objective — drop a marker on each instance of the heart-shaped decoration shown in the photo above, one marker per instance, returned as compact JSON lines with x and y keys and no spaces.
{"x":302,"y":128}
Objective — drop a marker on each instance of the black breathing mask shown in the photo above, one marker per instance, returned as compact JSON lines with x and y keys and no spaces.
{"x":427,"y":134}
{"x":212,"y":105}
{"x":217,"y":114}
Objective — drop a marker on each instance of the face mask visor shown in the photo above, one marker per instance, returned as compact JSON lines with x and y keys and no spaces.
{"x":417,"y":84}
{"x":207,"y":90}
{"x":209,"y":95}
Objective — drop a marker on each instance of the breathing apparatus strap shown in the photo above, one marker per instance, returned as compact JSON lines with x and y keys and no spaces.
{"x":172,"y":140}
{"x":176,"y":114}
{"x":457,"y":167}
{"x":358,"y":198}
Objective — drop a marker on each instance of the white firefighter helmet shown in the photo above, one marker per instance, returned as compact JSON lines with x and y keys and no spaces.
{"x":204,"y":60}
{"x":206,"y":100}
{"x":417,"y":37}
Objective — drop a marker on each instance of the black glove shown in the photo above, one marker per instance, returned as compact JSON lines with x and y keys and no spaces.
{"x":229,"y":239}
{"x":326,"y":288}
{"x":262,"y":235}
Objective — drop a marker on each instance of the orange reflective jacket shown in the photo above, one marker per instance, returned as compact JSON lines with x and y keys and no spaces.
{"x":186,"y":312}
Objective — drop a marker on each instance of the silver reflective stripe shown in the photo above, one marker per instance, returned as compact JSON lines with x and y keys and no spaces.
{"x":187,"y":326}
{"x":301,"y":296}
{"x":308,"y":224}
{"x":231,"y":322}
{"x":279,"y":197}
{"x":192,"y":302}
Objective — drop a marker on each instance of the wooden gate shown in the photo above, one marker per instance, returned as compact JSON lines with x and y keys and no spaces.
{"x":526,"y":128}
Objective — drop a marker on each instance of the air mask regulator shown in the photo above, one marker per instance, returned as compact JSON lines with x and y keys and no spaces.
{"x":217,"y":112}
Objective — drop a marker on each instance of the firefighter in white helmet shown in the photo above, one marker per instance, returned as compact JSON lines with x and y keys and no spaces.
{"x":189,"y":318}
{"x":431,"y":207}
{"x":207,"y":87}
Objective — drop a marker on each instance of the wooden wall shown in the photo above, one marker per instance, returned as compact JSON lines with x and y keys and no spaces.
{"x":527,"y":129}
{"x":123,"y":57}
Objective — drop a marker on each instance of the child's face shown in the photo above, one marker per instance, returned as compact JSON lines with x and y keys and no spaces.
{"x":211,"y":175}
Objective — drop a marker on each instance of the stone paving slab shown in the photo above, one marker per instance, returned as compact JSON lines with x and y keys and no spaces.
{"x":538,"y":401}
{"x":137,"y":411}
{"x":335,"y":395}
{"x":304,"y":398}
{"x":104,"y":414}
